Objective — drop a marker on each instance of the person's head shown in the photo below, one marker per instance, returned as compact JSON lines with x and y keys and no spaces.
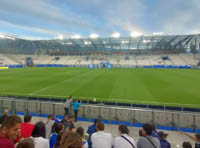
{"x":10,"y":127}
{"x":187,"y":145}
{"x":65,"y":117}
{"x":27,"y":118}
{"x":70,"y":97}
{"x":71,"y":140}
{"x":96,"y":121}
{"x":71,"y":118}
{"x":162,"y":135}
{"x":140,"y":133}
{"x":58,"y":127}
{"x":26,"y":143}
{"x":146,"y":129}
{"x":100,"y":126}
{"x":153,"y":127}
{"x":123,"y":129}
{"x":39,"y":130}
{"x":197,"y":137}
{"x":5,"y":112}
{"x":50,"y":117}
{"x":80,"y":131}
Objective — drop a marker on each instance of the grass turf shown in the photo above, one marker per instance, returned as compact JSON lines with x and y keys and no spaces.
{"x":152,"y":86}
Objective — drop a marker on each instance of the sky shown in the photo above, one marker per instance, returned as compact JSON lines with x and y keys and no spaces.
{"x":49,"y":19}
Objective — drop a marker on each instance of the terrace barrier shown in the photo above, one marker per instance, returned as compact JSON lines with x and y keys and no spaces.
{"x":165,"y":120}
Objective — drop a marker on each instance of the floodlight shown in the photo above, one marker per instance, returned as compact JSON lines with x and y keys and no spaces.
{"x":77,"y":36}
{"x":158,"y":33}
{"x":94,"y":36}
{"x":135,"y":34}
{"x":115,"y":35}
{"x":87,"y":43}
{"x":60,"y":37}
{"x":2,"y":36}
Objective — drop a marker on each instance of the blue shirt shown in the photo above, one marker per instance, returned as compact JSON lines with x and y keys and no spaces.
{"x":91,"y":129}
{"x":52,"y":140}
{"x":76,"y":105}
{"x":164,"y":144}
{"x":155,"y":134}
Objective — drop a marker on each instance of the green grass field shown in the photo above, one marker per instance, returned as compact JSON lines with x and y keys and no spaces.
{"x":152,"y":86}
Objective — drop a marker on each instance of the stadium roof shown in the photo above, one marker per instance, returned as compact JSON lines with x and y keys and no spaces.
{"x":102,"y":44}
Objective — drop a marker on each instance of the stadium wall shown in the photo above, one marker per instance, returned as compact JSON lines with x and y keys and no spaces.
{"x":165,"y":120}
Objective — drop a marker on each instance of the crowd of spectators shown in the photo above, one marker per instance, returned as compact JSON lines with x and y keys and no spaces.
{"x":52,"y":133}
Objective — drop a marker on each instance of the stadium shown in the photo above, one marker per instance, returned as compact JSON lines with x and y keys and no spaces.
{"x":135,"y":69}
{"x":49,"y":74}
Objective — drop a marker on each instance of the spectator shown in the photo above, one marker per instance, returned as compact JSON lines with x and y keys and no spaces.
{"x":39,"y":136}
{"x":90,"y":131}
{"x":140,"y":133}
{"x":3,"y":117}
{"x":71,"y":140}
{"x":154,"y":132}
{"x":9,"y":131}
{"x":26,"y":143}
{"x":187,"y":145}
{"x":146,"y":140}
{"x":64,"y":121}
{"x":57,"y":128}
{"x":80,"y":131}
{"x":27,"y":127}
{"x":124,"y":140}
{"x":58,"y":139}
{"x":92,"y":128}
{"x":195,"y":138}
{"x":48,"y":125}
{"x":69,"y":124}
{"x":100,"y":139}
{"x":163,"y":142}
{"x":76,"y":105}
{"x":68,"y":106}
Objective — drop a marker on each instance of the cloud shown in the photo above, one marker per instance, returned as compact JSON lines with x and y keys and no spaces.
{"x":101,"y":16}
{"x":178,"y":17}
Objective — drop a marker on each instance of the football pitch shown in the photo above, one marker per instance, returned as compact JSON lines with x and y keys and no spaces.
{"x":143,"y":86}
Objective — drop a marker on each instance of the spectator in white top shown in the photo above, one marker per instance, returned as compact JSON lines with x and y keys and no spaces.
{"x":39,"y":136}
{"x":101,"y":139}
{"x":48,"y":125}
{"x":124,"y":141}
{"x":68,"y":106}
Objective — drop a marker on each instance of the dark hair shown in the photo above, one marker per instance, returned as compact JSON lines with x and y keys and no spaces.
{"x":39,"y":130}
{"x":11,"y":121}
{"x":80,"y":131}
{"x":58,"y":139}
{"x":197,"y":136}
{"x":147,"y":128}
{"x":71,"y":116}
{"x":187,"y":145}
{"x":57,"y":127}
{"x":71,"y":140}
{"x":140,"y":133}
{"x":27,"y":118}
{"x":26,"y":143}
{"x":153,"y":127}
{"x":123,"y":129}
{"x":100,"y":126}
{"x":50,"y":116}
{"x":96,"y":121}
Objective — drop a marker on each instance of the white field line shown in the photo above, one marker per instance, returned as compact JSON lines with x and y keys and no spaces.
{"x":45,"y":88}
{"x":107,"y":99}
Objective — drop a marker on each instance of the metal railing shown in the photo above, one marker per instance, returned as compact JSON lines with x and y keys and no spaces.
{"x":169,"y":119}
